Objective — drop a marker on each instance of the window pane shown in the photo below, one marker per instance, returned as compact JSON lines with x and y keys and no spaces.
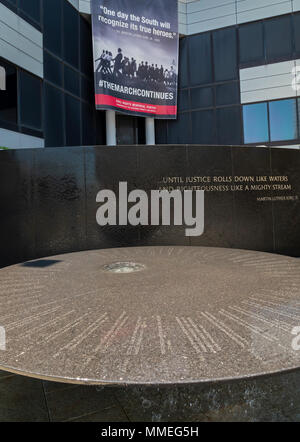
{"x":71,"y":34}
{"x":30,"y":101}
{"x":161,"y":131}
{"x":12,"y":3}
{"x":52,"y":69}
{"x":251,"y":43}
{"x":228,"y":93}
{"x":183,"y":63}
{"x":204,"y":127}
{"x":52,"y":25}
{"x":225,"y":55}
{"x":31,"y":8}
{"x":255,"y":123}
{"x":87,"y":90}
{"x":202,"y":97}
{"x":101,"y":129}
{"x":200,"y":50}
{"x":283,"y":120}
{"x":8,"y":101}
{"x":179,"y":131}
{"x":72,"y":116}
{"x":183,"y":100}
{"x":296,"y":30}
{"x":278,"y":37}
{"x":53,"y":108}
{"x":72,"y":81}
{"x":88,"y":129}
{"x":86,"y":53}
{"x":229,"y":125}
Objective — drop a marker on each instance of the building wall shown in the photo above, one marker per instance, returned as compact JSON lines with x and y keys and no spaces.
{"x":46,"y":49}
{"x":204,"y":15}
{"x":236,"y":53}
{"x":224,"y":71}
{"x":84,"y":6}
{"x":20,"y":42}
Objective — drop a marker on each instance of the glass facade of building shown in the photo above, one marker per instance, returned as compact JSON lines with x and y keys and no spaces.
{"x":210,"y":109}
{"x":59,"y":108}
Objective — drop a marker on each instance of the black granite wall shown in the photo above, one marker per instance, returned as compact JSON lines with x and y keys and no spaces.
{"x":48,"y":198}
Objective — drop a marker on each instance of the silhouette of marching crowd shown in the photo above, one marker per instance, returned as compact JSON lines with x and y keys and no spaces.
{"x":123,"y":67}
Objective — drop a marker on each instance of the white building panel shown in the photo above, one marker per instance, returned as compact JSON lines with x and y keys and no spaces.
{"x":203,"y":15}
{"x":251,"y":10}
{"x":20,"y":43}
{"x":270,"y":82}
{"x":16,"y":140}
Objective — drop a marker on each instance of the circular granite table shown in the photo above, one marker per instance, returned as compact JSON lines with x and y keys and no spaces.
{"x":158,"y":315}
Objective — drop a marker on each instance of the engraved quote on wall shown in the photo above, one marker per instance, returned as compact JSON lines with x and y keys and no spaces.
{"x":267,"y":187}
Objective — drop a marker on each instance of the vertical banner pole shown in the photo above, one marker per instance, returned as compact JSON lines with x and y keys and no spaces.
{"x":150,"y":131}
{"x":111,"y":129}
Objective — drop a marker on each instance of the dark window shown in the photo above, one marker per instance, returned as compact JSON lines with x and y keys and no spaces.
{"x":52,"y":13}
{"x":179,"y":130}
{"x":183,"y":62}
{"x":161,"y":131}
{"x":203,"y":125}
{"x":87,"y":125}
{"x":202,"y":97}
{"x":72,"y":81}
{"x":225,"y":54}
{"x":256,"y":123}
{"x":72,"y":115}
{"x":296,"y":22}
{"x":183,"y":100}
{"x":251,"y":43}
{"x":101,"y":129}
{"x":278,"y":38}
{"x":52,"y":69}
{"x":31,"y":8}
{"x":53,"y":108}
{"x":87,"y":90}
{"x":229,"y":125}
{"x":86,"y":48}
{"x":71,"y":34}
{"x":200,"y":62}
{"x":10,"y":3}
{"x":283,"y":120}
{"x":30,"y":101}
{"x":8,"y":97}
{"x":228,"y":93}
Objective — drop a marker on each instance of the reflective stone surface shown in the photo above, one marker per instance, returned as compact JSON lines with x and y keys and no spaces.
{"x":192,"y":315}
{"x":49,"y":206}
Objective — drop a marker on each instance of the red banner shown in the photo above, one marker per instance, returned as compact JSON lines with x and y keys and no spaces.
{"x":133,"y":106}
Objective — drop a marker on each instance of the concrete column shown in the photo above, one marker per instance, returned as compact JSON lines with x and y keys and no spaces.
{"x":150,"y":131}
{"x":111,"y":129}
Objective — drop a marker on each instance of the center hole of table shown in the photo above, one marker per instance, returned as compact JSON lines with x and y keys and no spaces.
{"x":124,"y":267}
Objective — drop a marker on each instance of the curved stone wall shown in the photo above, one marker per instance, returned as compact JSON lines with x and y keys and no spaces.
{"x":48,"y":197}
